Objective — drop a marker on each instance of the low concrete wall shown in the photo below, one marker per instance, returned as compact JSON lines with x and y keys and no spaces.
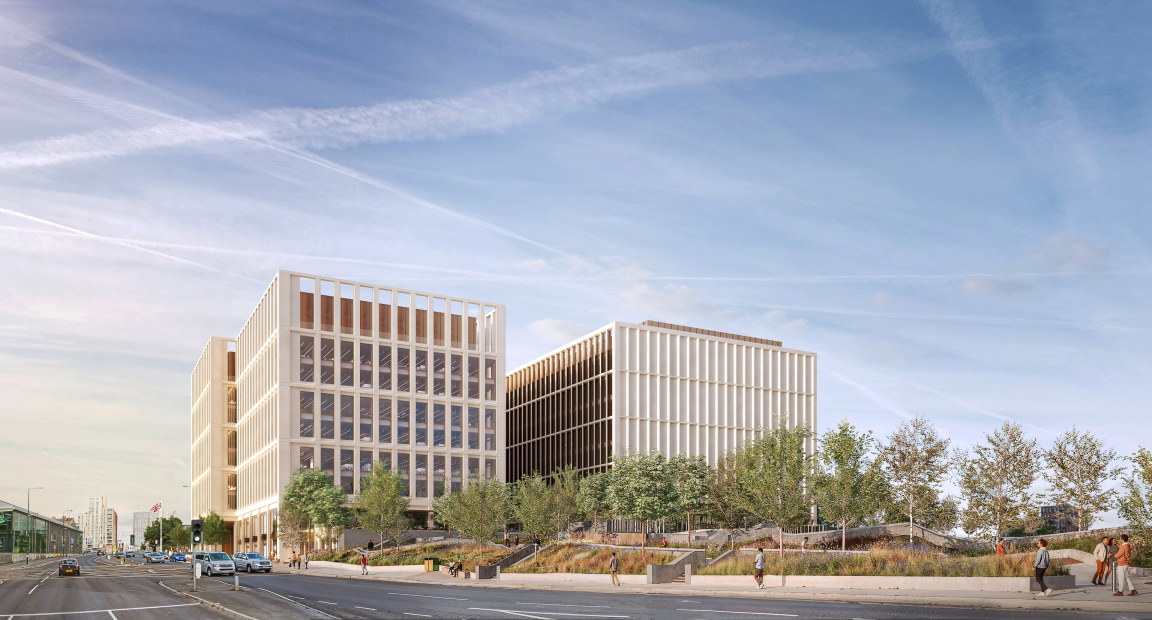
{"x":487,"y":572}
{"x":990,"y":584}
{"x":663,"y":573}
{"x":601,"y":578}
{"x":355,"y":568}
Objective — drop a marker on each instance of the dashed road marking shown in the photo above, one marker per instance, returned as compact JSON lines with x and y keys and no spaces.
{"x":447,"y":598}
{"x":564,"y":605}
{"x":368,"y":608}
{"x":748,"y":613}
{"x":421,"y":615}
{"x":327,"y":603}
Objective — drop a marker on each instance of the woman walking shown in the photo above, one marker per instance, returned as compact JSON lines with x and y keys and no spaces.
{"x":1041,"y":564}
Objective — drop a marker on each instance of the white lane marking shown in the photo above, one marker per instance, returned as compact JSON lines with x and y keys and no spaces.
{"x":327,"y":603}
{"x":33,"y":588}
{"x":421,"y":615}
{"x":447,"y":598}
{"x":550,"y":613}
{"x":113,"y":616}
{"x":368,"y":608}
{"x":313,"y":609}
{"x":562,"y":605}
{"x":100,"y":611}
{"x":748,"y":613}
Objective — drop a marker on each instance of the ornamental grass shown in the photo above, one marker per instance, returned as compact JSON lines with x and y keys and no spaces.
{"x":471,"y":554}
{"x":577,"y":558}
{"x":888,"y":560}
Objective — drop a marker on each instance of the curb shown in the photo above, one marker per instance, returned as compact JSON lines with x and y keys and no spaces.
{"x":216,"y":606}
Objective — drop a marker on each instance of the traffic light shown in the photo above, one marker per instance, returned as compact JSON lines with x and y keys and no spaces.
{"x":197,"y":531}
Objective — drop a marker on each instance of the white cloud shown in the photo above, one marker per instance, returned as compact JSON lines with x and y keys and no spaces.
{"x":558,"y":331}
{"x":779,"y":322}
{"x":1065,"y":253}
{"x":673,"y":303}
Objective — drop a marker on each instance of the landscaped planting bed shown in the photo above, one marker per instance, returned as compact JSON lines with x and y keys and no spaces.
{"x":1141,"y":551}
{"x":470,"y":554}
{"x":892,"y":560}
{"x":578,"y":558}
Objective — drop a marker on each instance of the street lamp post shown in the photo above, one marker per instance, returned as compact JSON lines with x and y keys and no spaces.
{"x":28,"y":540}
{"x":63,"y":516}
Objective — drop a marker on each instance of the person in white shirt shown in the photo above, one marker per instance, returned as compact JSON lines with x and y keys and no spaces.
{"x":804,"y":545}
{"x":759,"y":576}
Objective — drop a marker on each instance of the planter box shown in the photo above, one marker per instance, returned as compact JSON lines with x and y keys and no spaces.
{"x":598,"y":578}
{"x":989,"y":584}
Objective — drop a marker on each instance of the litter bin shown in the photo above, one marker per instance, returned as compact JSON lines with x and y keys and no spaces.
{"x":431,"y":565}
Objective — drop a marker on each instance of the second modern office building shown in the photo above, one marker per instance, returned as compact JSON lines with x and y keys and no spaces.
{"x":627,"y":389}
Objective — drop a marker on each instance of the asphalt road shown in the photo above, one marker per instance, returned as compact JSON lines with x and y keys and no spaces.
{"x":103,"y":591}
{"x":354,"y":598}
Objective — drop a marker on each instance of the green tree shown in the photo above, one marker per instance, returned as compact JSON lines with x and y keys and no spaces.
{"x":689,"y":478}
{"x":641,"y":488}
{"x":290,"y":524}
{"x":566,"y":496}
{"x":478,"y":511}
{"x":1136,"y":503}
{"x":593,"y":499}
{"x":383,"y":508}
{"x":314,"y":493}
{"x":183,"y":537}
{"x":726,"y":504}
{"x":1078,"y":465}
{"x":915,"y":461}
{"x":534,"y":506}
{"x":847,"y":485}
{"x":215,"y":530}
{"x":170,"y":526}
{"x":995,"y":481}
{"x":774,"y":471}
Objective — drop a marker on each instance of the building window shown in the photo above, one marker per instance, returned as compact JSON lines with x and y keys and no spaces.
{"x":438,"y":425}
{"x":346,"y":308}
{"x":489,"y":429}
{"x":402,"y":421}
{"x":473,"y":326}
{"x":366,"y":365}
{"x":457,"y":324}
{"x":347,"y":355}
{"x":437,"y":373}
{"x":438,"y":322}
{"x":402,"y":461}
{"x":230,"y":402}
{"x":327,"y":416}
{"x":366,"y":419}
{"x":385,"y":367}
{"x":386,"y":459}
{"x":473,"y":469}
{"x":385,"y":310}
{"x":403,"y":317}
{"x":231,"y":363}
{"x":231,"y":491}
{"x":489,"y":329}
{"x":307,"y":417}
{"x":327,"y":361}
{"x":365,"y":468}
{"x":474,"y":428}
{"x":327,"y":305}
{"x":420,"y":371}
{"x":365,"y":312}
{"x":457,"y":426}
{"x":385,"y":420}
{"x":474,"y":378}
{"x":307,"y":365}
{"x":348,"y":470}
{"x":489,"y":379}
{"x":307,"y":303}
{"x":401,"y":370}
{"x":421,"y":471}
{"x":437,"y":475}
{"x":421,"y":321}
{"x":230,"y":439}
{"x":457,"y":369}
{"x":327,"y":461}
{"x":347,"y":418}
{"x":489,"y":469}
{"x":457,"y":473}
{"x":420,"y":416}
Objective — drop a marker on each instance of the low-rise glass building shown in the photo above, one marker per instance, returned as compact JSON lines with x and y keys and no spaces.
{"x":24,"y":532}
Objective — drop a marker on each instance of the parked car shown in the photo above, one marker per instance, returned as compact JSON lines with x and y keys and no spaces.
{"x":157,"y":557}
{"x":69,"y":567}
{"x":131,"y":554}
{"x":178,"y":557}
{"x":100,"y":552}
{"x":215,"y":563}
{"x":251,"y":562}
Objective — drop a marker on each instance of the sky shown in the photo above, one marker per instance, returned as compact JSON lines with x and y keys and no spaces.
{"x":946,"y":201}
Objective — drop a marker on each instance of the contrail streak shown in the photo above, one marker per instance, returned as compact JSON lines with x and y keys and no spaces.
{"x":879,"y":400}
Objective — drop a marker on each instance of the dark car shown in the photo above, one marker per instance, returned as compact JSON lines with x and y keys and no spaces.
{"x":100,"y":552}
{"x":69,"y":567}
{"x":178,"y":557}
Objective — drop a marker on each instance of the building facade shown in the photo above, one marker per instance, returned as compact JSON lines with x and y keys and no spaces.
{"x":140,"y":523}
{"x":99,"y":524}
{"x":1062,"y":518}
{"x":334,"y":375}
{"x":24,"y":532}
{"x":627,"y":389}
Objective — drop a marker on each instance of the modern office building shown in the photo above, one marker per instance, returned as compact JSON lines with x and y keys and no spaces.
{"x":99,"y":523}
{"x":334,"y":375}
{"x":140,"y":523}
{"x":627,"y":389}
{"x":29,"y":532}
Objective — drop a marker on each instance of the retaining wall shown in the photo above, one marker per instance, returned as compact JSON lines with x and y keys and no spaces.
{"x":355,"y":568}
{"x":989,"y":584}
{"x":600,"y":578}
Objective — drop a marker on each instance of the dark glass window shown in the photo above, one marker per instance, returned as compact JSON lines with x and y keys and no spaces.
{"x":327,"y":460}
{"x":438,"y":373}
{"x":366,"y":419}
{"x":474,"y":378}
{"x":489,"y":429}
{"x":402,"y":420}
{"x":457,"y":473}
{"x":307,"y":457}
{"x":327,"y":361}
{"x":457,"y":424}
{"x":402,"y":461}
{"x":437,"y":475}
{"x":474,"y":428}
{"x":307,"y":414}
{"x":489,"y":379}
{"x":457,"y":373}
{"x":420,"y":372}
{"x":347,"y":359}
{"x":385,"y":420}
{"x":307,"y":363}
{"x":366,"y":365}
{"x":438,"y":425}
{"x":420,"y":419}
{"x":421,"y":471}
{"x":347,"y":417}
{"x":327,"y":416}
{"x":401,"y":370}
{"x":348,"y":470}
{"x":385,"y":367}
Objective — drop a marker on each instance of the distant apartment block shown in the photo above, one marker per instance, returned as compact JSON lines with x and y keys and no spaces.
{"x":140,"y":523}
{"x":334,"y":375}
{"x":1062,"y":518}
{"x":626,"y":389}
{"x":99,"y":523}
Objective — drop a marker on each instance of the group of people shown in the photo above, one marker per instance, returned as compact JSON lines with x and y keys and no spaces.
{"x":1109,"y":558}
{"x":295,"y":561}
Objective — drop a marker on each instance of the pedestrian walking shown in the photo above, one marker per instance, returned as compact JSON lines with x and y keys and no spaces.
{"x":363,"y":564}
{"x":759,"y":574}
{"x":1101,"y":555}
{"x":1123,"y":558}
{"x":292,"y":562}
{"x":305,"y":558}
{"x":804,"y":545}
{"x":1041,"y":564}
{"x":613,"y":567}
{"x":1000,"y":547}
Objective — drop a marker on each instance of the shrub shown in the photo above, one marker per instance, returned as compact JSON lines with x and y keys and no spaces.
{"x":577,"y":558}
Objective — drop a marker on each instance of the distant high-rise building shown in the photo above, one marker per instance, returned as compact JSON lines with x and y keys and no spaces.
{"x":140,"y":523}
{"x":99,"y":523}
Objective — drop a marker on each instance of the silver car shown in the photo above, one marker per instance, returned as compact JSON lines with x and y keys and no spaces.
{"x":215,"y":563}
{"x":251,"y":562}
{"x":156,"y":557}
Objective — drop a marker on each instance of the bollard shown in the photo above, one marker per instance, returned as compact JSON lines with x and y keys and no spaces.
{"x":235,"y":582}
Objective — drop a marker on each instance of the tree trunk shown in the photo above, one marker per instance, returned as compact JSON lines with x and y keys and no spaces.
{"x":781,"y":530}
{"x":844,"y":534}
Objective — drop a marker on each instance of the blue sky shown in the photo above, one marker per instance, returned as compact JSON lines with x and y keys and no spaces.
{"x":945,"y":201}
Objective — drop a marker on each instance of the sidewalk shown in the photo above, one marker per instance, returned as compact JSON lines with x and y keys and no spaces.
{"x":1085,"y":597}
{"x":253,"y":603}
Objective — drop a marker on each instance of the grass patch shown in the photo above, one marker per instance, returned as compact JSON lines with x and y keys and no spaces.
{"x":1141,"y":550}
{"x":470,"y":554}
{"x":578,"y":558}
{"x":891,"y":560}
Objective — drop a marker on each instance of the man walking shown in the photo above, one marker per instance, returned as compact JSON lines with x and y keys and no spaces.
{"x":1041,"y":564}
{"x":363,"y":564}
{"x":804,"y":545}
{"x":1101,"y":555}
{"x":1123,"y":557}
{"x":759,"y":574}
{"x":613,"y":566}
{"x":1000,"y":547}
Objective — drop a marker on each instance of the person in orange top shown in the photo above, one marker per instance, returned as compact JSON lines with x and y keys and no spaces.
{"x":1123,"y":557}
{"x":1000,"y":547}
